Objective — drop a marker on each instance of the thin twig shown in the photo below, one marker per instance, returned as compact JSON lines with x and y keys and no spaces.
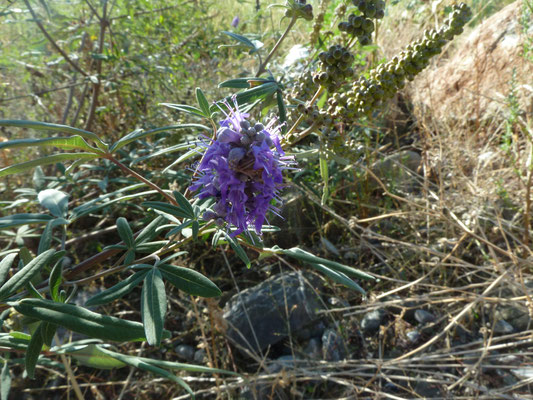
{"x":52,"y":41}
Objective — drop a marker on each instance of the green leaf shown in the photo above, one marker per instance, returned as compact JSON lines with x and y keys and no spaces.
{"x":167,"y":208}
{"x":140,"y":134}
{"x":34,"y":349}
{"x":79,"y":319}
{"x":183,"y":157}
{"x":137,"y":362}
{"x":54,"y":282}
{"x":202,"y":102}
{"x":324,"y":174}
{"x":46,"y":238}
{"x":257,"y":93}
{"x":241,"y":39}
{"x":190,"y":281}
{"x":64,"y":143}
{"x":44,"y":126}
{"x":237,"y":248}
{"x":5,"y":265}
{"x":185,"y":108}
{"x":338,"y":277}
{"x":184,"y":203}
{"x":92,"y":356}
{"x":150,"y":231}
{"x":5,"y":382}
{"x":168,"y":150}
{"x":55,"y":201}
{"x":238,"y":83}
{"x":48,"y":331}
{"x":10,"y":221}
{"x":17,"y":343}
{"x":311,"y":258}
{"x":55,"y":158}
{"x":119,"y":290}
{"x":125,"y":232}
{"x":153,"y":306}
{"x":23,"y":276}
{"x":282,"y":110}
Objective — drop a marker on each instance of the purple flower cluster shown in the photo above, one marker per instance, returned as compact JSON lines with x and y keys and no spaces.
{"x":242,"y":171}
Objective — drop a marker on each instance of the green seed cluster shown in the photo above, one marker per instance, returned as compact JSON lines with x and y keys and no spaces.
{"x":299,"y":9}
{"x":312,"y":115}
{"x":385,"y":80}
{"x":335,"y":67}
{"x":304,"y":88}
{"x":362,"y":26}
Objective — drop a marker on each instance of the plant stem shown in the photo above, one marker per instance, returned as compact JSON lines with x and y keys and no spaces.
{"x":283,"y":36}
{"x":70,"y":374}
{"x":301,"y":118}
{"x":141,"y":178}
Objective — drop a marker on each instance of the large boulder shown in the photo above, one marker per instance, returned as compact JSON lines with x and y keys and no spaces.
{"x":473,"y":84}
{"x":268,"y":312}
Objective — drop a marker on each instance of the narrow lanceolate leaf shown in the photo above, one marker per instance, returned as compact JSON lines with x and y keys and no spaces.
{"x":55,"y":201}
{"x":32,"y":353}
{"x":153,"y":306}
{"x":138,"y":362}
{"x":282,"y":110}
{"x":241,"y":39}
{"x":46,"y":237}
{"x":184,"y":203}
{"x":64,"y":143}
{"x":150,"y":231}
{"x":237,"y":248}
{"x":92,"y":356}
{"x":23,"y":276}
{"x":324,"y":173}
{"x":125,"y":232}
{"x":141,"y":134}
{"x":190,"y":281}
{"x":56,"y":276}
{"x":119,"y":290}
{"x":55,"y":158}
{"x":185,"y":108}
{"x":311,"y":258}
{"x":10,"y":221}
{"x":202,"y":102}
{"x":338,"y":277}
{"x":48,"y":331}
{"x":167,"y":208}
{"x":5,"y":382}
{"x":5,"y":265}
{"x":44,"y":126}
{"x":81,"y":320}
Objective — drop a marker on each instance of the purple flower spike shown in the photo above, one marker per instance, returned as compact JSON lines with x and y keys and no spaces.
{"x":242,"y":171}
{"x":235,"y":21}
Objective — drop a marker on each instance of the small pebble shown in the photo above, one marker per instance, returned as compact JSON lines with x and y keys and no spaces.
{"x":424,"y":317}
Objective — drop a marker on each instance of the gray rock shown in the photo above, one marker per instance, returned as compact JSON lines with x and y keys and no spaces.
{"x":424,"y":317}
{"x":266,"y":308}
{"x":502,"y":327}
{"x":200,"y":356}
{"x":283,"y":362}
{"x":185,"y":352}
{"x":333,"y":346}
{"x":413,"y":336}
{"x":372,"y":321}
{"x":516,"y":315}
{"x":313,"y":349}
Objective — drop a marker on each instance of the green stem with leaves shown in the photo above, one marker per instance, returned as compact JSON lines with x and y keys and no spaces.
{"x":141,"y":178}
